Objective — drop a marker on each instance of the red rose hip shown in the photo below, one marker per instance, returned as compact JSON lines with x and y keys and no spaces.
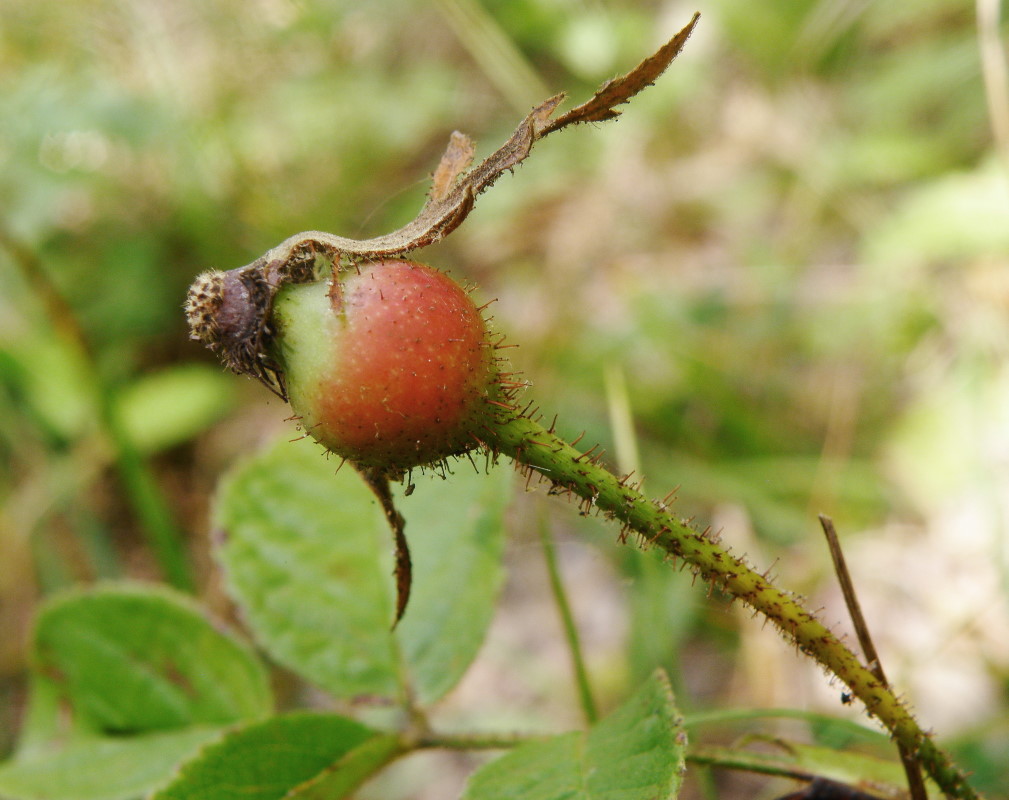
{"x":387,"y":365}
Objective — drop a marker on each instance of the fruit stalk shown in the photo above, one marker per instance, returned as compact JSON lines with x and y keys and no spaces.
{"x":571,"y":471}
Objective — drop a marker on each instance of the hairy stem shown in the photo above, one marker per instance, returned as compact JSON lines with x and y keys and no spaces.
{"x":575,"y":473}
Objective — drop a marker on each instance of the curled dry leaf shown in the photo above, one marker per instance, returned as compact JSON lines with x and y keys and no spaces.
{"x":454,"y":191}
{"x":243,"y":342}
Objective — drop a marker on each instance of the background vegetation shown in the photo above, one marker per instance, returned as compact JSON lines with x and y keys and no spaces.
{"x":780,"y":281}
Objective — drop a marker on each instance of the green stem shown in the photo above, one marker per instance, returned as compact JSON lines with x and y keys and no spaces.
{"x":539,"y":449}
{"x":157,"y":521}
{"x":568,"y":621}
{"x":472,"y":741}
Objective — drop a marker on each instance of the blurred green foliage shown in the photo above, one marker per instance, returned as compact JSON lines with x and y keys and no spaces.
{"x":795,"y":247}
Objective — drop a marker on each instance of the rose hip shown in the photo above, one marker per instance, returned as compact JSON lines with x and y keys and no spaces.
{"x":387,"y":365}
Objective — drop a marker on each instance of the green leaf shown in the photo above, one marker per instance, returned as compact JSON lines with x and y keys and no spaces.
{"x":456,"y":532}
{"x":351,"y":770}
{"x":54,"y":383}
{"x":636,"y":753}
{"x":104,"y":768}
{"x":544,"y":770}
{"x":302,"y":555}
{"x":795,"y":758}
{"x":308,"y":555}
{"x":40,"y":715}
{"x":131,"y":658}
{"x":270,"y":759}
{"x":826,"y":730}
{"x":161,"y":410}
{"x":956,"y":216}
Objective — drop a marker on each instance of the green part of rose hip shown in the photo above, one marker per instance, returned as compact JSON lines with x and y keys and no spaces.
{"x":388,"y":365}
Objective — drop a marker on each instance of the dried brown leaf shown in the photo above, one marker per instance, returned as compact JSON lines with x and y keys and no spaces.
{"x":454,"y":191}
{"x":245,"y":347}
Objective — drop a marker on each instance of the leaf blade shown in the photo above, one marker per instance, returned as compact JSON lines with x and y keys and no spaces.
{"x":456,"y":530}
{"x":102,"y":768}
{"x":302,"y":557}
{"x":308,"y":556}
{"x":635,"y":753}
{"x":267,"y":760}
{"x":131,"y":657}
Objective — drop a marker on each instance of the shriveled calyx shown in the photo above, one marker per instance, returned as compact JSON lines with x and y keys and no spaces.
{"x":230,"y":312}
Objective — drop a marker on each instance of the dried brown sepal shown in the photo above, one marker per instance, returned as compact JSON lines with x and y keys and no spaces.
{"x":457,"y":159}
{"x":448,"y":205}
{"x":453,"y":193}
{"x":230,"y":311}
{"x":616,"y":91}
